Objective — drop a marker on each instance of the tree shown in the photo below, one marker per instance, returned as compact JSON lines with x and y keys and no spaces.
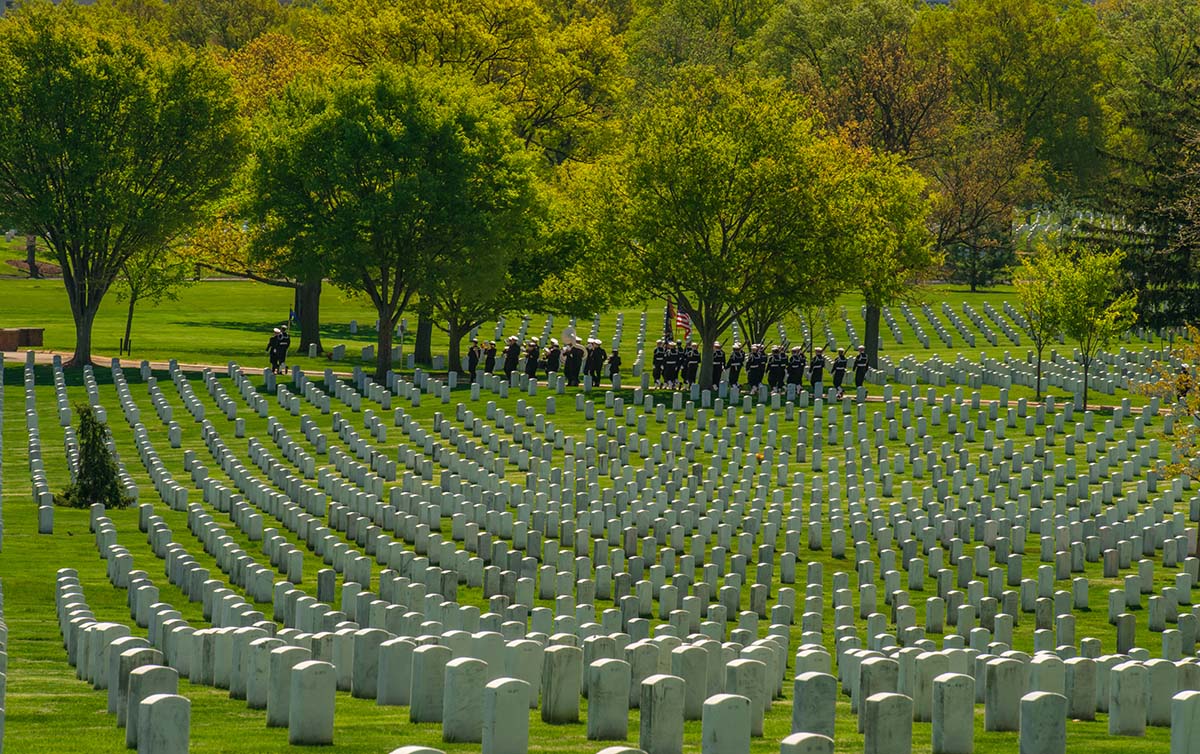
{"x":97,"y":480}
{"x":979,"y":266}
{"x":561,"y":79}
{"x":230,"y":24}
{"x":888,"y":242}
{"x":1093,"y":314}
{"x":31,"y":259}
{"x":722,"y":186}
{"x":1153,"y":100}
{"x":393,"y":174}
{"x":1038,"y":65}
{"x":1039,"y":298}
{"x":1173,"y":379}
{"x":110,"y":148}
{"x":153,"y":275}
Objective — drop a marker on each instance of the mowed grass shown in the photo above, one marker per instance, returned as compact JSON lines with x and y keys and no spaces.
{"x":48,"y":710}
{"x":216,"y":321}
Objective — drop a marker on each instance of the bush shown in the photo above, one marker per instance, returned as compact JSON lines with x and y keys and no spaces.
{"x":98,"y":479}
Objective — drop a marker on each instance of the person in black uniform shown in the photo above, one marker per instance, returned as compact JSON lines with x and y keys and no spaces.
{"x":776,"y":369}
{"x":512,"y":354}
{"x":285,"y":344}
{"x":553,"y":358}
{"x":691,"y":364}
{"x":860,"y":367}
{"x":572,"y":362}
{"x":473,"y":354}
{"x":817,"y":370}
{"x":273,"y":351}
{"x":718,"y":364}
{"x":839,"y":371}
{"x":660,"y":353}
{"x":671,"y":361}
{"x":756,"y":365}
{"x":489,"y":357}
{"x":599,"y":360}
{"x":614,"y":366}
{"x":737,"y":360}
{"x":532,"y":355}
{"x":795,"y":368}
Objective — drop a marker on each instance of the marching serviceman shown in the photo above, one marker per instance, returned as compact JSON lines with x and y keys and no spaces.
{"x":795,"y":368}
{"x":718,"y":364}
{"x":671,"y":360}
{"x":660,"y":355}
{"x":691,"y":363}
{"x":737,"y":360}
{"x":756,"y":365}
{"x":553,"y":357}
{"x":532,"y":354}
{"x":489,"y":357}
{"x":572,"y":362}
{"x":473,"y":354}
{"x":839,"y":371}
{"x":776,"y":369}
{"x":860,"y":367}
{"x":817,"y":370}
{"x":512,"y":354}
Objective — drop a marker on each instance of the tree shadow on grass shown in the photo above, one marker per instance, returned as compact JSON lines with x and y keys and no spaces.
{"x":334,"y":332}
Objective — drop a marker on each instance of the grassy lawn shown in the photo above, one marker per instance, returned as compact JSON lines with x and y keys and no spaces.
{"x":48,"y":710}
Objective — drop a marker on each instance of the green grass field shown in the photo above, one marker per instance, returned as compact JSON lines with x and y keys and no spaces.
{"x":48,"y":710}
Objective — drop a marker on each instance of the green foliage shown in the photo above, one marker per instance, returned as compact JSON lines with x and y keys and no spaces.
{"x":979,"y":266}
{"x":395,"y":175}
{"x":110,"y":148}
{"x":1092,"y":313}
{"x":1039,"y":297}
{"x":98,"y":479}
{"x":1038,"y":65}
{"x":229,"y":24}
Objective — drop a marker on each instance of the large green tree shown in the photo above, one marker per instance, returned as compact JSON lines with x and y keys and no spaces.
{"x":1092,"y":312}
{"x":888,"y":242}
{"x":110,"y":148}
{"x":1040,"y":298}
{"x":723,"y":192}
{"x":393,"y":174}
{"x":1038,"y":66}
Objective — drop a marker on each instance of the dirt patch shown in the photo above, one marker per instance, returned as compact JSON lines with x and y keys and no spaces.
{"x":46,"y":268}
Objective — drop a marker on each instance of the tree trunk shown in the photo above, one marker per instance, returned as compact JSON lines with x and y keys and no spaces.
{"x":1086,"y":364}
{"x":454,"y":348}
{"x":1038,"y":388}
{"x":423,"y":346}
{"x":383,"y":347}
{"x":31,"y":257}
{"x":872,"y":336}
{"x":705,"y":378}
{"x":84,"y":318}
{"x":129,"y":321}
{"x":308,"y":311}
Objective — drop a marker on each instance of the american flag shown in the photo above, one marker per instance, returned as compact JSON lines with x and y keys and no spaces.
{"x":684,"y":322}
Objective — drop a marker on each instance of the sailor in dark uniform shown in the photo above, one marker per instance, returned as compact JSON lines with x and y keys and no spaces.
{"x":553,"y":357}
{"x":718,"y":364}
{"x":512,"y":354}
{"x":598,"y":357}
{"x":671,"y":360}
{"x":572,"y":362}
{"x":532,"y":354}
{"x":817,"y":370}
{"x":839,"y":371}
{"x":795,"y":368}
{"x":614,"y":366}
{"x":737,"y":360}
{"x":756,"y":366}
{"x":473,"y":354}
{"x":660,"y":352}
{"x":691,"y":364}
{"x":860,"y":367}
{"x":489,"y":357}
{"x":776,"y":369}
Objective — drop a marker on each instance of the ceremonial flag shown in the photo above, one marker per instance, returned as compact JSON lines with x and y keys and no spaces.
{"x":684,"y":322}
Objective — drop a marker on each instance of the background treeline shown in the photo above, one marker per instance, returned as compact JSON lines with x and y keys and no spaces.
{"x":466,"y":158}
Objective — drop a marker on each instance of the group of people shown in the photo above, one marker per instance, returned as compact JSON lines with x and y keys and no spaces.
{"x":573,"y":360}
{"x":277,"y":348}
{"x":676,"y":365}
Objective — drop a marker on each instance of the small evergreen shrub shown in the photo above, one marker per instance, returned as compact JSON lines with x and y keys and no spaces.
{"x":98,"y":479}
